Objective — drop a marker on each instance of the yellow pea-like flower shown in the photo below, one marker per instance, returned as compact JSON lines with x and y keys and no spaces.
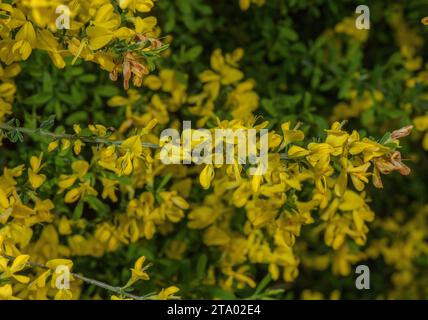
{"x":36,"y":179}
{"x":53,"y":145}
{"x":206,"y":176}
{"x":297,"y":152}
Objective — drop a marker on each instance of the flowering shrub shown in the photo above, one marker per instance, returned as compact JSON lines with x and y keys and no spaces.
{"x":85,"y":193}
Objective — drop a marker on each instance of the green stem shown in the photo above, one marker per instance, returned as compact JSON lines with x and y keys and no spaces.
{"x":59,"y":136}
{"x":94,"y":282}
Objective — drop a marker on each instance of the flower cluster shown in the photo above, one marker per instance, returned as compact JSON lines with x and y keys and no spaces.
{"x":92,"y":186}
{"x":112,"y":35}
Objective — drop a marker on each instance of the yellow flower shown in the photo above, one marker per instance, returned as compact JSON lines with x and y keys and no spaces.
{"x":26,"y":40}
{"x":244,"y":4}
{"x":133,"y":149}
{"x":18,"y":264}
{"x":337,"y":138}
{"x":80,"y":168}
{"x":63,"y":294}
{"x":227,"y":73}
{"x":153,"y":82}
{"x":65,"y":144}
{"x":359,"y":175}
{"x":36,"y":180}
{"x":347,"y":26}
{"x":64,"y":226}
{"x":77,"y":146}
{"x":290,"y":135}
{"x":319,"y":154}
{"x":224,"y":74}
{"x":133,"y":145}
{"x":167,"y":293}
{"x":53,"y":264}
{"x":40,"y":282}
{"x":6,"y":293}
{"x":335,"y":232}
{"x":370,"y":149}
{"x":351,"y":201}
{"x":99,"y":37}
{"x":297,"y":152}
{"x":206,"y":176}
{"x":343,"y":260}
{"x":311,"y":295}
{"x":53,"y":145}
{"x":421,"y":124}
{"x":239,"y":276}
{"x":105,"y":28}
{"x":75,"y":194}
{"x":176,"y":249}
{"x":138,"y":272}
{"x":109,"y":189}
{"x":215,"y":236}
{"x":106,"y":17}
{"x":98,"y":129}
{"x":4,"y":201}
{"x":46,"y":41}
{"x":145,"y":25}
{"x":137,"y":5}
{"x":124,"y":164}
{"x":201,"y":217}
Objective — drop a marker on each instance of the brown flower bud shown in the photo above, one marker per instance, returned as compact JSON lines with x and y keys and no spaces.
{"x":401,"y":167}
{"x":403,"y":132}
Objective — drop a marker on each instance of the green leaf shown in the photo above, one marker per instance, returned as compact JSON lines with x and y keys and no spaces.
{"x":15,"y":136}
{"x":48,"y":123}
{"x":385,"y":138}
{"x":263,"y":284}
{"x":38,"y":99}
{"x":86,"y":133}
{"x":201,"y":266}
{"x":58,"y":109}
{"x":289,"y":34}
{"x":307,"y":100}
{"x":97,"y":205}
{"x":269,"y":107}
{"x":170,"y":20}
{"x":78,"y":210}
{"x":88,"y":78}
{"x":73,"y":72}
{"x":47,"y":83}
{"x":193,"y":53}
{"x":164,"y":182}
{"x":219,"y":293}
{"x":107,"y":91}
{"x":76,"y":117}
{"x":368,"y":117}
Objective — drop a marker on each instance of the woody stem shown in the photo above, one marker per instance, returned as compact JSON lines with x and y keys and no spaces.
{"x":59,"y":136}
{"x":94,"y":282}
{"x":73,"y":137}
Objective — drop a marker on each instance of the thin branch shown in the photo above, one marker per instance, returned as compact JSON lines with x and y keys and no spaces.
{"x":117,"y":290}
{"x":58,"y":136}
